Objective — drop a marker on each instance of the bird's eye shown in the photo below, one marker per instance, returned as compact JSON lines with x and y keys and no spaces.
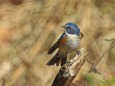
{"x":69,"y":28}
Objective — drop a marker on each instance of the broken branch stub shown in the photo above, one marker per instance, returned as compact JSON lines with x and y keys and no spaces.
{"x":69,"y":71}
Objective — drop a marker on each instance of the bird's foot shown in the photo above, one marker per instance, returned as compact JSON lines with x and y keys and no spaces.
{"x":78,"y":52}
{"x":69,"y":63}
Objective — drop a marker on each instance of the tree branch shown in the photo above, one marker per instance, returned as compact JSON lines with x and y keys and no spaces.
{"x":69,"y":71}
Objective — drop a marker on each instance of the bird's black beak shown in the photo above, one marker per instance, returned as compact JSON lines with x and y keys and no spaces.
{"x":63,"y":26}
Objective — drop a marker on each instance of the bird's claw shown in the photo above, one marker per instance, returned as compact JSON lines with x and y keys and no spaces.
{"x":78,"y":52}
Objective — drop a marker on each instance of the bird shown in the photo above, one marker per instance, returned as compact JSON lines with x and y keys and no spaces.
{"x":67,"y":43}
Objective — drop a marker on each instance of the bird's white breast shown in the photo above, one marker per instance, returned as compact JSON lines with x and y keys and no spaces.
{"x":73,"y":42}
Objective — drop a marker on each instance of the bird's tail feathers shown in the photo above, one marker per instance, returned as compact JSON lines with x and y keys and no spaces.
{"x":58,"y":59}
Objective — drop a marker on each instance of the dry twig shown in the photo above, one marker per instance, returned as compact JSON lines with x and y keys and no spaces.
{"x":93,"y":67}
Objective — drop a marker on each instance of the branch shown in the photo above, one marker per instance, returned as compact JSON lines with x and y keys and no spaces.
{"x":93,"y":67}
{"x":69,"y":71}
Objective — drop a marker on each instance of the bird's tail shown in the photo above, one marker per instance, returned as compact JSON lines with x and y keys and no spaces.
{"x":58,"y":59}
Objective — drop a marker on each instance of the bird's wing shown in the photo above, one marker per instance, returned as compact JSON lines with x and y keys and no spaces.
{"x":56,"y":45}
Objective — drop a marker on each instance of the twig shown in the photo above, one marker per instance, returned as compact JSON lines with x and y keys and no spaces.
{"x":3,"y":82}
{"x":68,"y":72}
{"x":93,"y":67}
{"x":109,"y":39}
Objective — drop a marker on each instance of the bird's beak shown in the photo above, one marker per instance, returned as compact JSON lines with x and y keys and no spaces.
{"x":63,"y":26}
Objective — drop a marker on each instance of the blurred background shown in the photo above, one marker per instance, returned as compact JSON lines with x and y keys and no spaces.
{"x":28,"y":28}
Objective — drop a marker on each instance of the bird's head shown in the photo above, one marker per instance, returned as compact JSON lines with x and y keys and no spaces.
{"x":71,"y":28}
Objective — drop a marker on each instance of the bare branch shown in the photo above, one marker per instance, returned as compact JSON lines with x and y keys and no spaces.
{"x":109,"y":39}
{"x":93,"y":67}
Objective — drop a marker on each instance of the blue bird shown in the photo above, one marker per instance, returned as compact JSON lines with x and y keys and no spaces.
{"x":67,"y":43}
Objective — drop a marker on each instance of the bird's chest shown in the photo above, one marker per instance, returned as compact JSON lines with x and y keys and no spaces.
{"x":72,"y":42}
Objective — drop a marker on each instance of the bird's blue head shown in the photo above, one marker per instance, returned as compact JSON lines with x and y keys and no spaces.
{"x":71,"y":28}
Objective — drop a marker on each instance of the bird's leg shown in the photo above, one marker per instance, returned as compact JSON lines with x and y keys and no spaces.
{"x":78,"y":52}
{"x":69,"y":63}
